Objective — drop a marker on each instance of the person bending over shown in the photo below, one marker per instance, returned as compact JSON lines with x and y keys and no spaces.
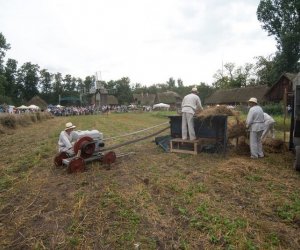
{"x":269,"y":127}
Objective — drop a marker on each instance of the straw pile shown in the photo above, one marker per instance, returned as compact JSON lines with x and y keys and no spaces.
{"x":236,"y":130}
{"x":274,"y":145}
{"x":216,"y":110}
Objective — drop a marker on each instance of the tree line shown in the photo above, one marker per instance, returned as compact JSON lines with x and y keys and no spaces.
{"x":280,"y":18}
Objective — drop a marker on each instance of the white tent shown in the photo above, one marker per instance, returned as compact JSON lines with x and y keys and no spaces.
{"x":59,"y":106}
{"x":161,"y":105}
{"x":22,"y":107}
{"x":32,"y":106}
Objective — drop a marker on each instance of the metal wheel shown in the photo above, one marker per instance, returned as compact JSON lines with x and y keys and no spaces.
{"x":76,"y":165}
{"x":59,"y":158}
{"x":109,"y":158}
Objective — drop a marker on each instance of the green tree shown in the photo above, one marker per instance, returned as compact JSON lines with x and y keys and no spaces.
{"x":28,"y":79}
{"x":234,"y":77}
{"x":79,"y":85}
{"x":3,"y":83}
{"x":281,"y":19}
{"x":266,"y":70}
{"x":123,"y":91}
{"x":4,"y":46}
{"x":10,"y":75}
{"x":171,"y":83}
{"x":67,"y":83}
{"x":57,"y":86}
{"x":45,"y":81}
{"x":88,"y":83}
{"x":204,"y":91}
{"x":179,"y":82}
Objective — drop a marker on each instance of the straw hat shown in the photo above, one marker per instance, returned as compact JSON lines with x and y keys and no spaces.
{"x":253,"y":99}
{"x":69,"y":125}
{"x":195,"y":90}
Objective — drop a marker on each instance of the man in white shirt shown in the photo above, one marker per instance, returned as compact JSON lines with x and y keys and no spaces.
{"x":190,"y":104}
{"x":269,"y":127}
{"x":256,"y":126}
{"x":65,"y":141}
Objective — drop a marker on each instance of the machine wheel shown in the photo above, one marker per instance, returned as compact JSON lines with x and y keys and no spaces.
{"x":76,"y":165}
{"x":59,"y":158}
{"x":109,"y":158}
{"x":86,"y":145}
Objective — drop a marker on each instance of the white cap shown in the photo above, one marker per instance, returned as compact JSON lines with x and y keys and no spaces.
{"x":253,"y":99}
{"x":69,"y":125}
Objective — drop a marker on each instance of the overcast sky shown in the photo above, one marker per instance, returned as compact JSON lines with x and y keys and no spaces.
{"x":148,"y":41}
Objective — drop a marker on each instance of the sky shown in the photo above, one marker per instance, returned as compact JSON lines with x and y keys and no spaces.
{"x":148,"y":41}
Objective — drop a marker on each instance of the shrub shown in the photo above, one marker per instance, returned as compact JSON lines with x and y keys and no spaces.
{"x":273,"y":109}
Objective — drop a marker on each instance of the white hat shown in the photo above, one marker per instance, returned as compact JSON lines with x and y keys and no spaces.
{"x":253,"y":99}
{"x":195,"y":90}
{"x":69,"y":125}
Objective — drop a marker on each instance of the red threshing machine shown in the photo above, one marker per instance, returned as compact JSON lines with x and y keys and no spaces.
{"x":88,"y":146}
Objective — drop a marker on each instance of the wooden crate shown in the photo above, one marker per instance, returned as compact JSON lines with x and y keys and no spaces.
{"x":179,"y":145}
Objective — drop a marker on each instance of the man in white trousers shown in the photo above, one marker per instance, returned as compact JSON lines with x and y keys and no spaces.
{"x":190,"y":104}
{"x":269,"y":127}
{"x":256,"y":126}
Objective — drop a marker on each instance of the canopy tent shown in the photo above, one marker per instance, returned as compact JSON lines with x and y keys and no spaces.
{"x":161,"y":105}
{"x":22,"y":107}
{"x":32,"y":106}
{"x":59,"y":106}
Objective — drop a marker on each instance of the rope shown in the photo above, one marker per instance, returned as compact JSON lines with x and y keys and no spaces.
{"x":133,"y":141}
{"x":136,"y":132}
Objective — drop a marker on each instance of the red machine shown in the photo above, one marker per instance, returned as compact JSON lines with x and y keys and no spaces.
{"x":88,"y":147}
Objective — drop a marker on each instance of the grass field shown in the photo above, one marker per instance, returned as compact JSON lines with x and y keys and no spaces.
{"x":148,"y":200}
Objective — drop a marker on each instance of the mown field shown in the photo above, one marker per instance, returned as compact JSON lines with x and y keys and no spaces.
{"x":148,"y":200}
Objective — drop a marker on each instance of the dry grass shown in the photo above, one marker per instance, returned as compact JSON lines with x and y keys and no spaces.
{"x":10,"y":122}
{"x":153,"y":199}
{"x":217,"y":110}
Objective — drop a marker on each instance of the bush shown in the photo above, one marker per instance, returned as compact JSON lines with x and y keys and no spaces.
{"x":273,"y":109}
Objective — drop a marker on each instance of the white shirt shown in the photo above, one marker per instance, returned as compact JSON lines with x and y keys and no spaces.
{"x":191,"y":103}
{"x":255,"y":119}
{"x":268,"y":119}
{"x":65,"y":141}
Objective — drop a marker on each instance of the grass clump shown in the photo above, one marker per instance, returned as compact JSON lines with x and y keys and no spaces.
{"x":12,"y":121}
{"x":8,"y":121}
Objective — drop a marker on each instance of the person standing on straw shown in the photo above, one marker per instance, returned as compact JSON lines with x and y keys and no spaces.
{"x":256,"y":126}
{"x":190,"y":104}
